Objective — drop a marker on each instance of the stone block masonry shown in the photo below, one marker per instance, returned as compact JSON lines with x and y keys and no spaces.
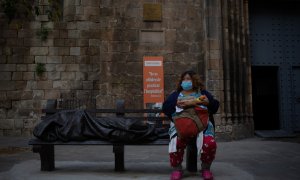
{"x":96,"y":50}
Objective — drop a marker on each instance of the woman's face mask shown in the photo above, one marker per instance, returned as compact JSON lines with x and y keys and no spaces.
{"x":187,"y":85}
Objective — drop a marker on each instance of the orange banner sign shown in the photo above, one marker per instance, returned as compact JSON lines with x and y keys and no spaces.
{"x":153,"y":81}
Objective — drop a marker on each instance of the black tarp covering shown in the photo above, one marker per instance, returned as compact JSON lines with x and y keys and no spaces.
{"x":79,"y":125}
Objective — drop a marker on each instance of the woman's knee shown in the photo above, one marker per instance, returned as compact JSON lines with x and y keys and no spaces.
{"x":209,"y":143}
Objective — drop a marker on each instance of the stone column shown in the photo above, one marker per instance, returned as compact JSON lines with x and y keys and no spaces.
{"x":247,"y":67}
{"x":227,"y":115}
{"x":214,"y":61}
{"x":236,"y":115}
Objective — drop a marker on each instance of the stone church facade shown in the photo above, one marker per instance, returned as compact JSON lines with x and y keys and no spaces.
{"x":97,"y":49}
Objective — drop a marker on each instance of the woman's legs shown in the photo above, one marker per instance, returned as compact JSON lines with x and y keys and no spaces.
{"x":208,"y":151}
{"x":207,"y":156}
{"x":176,"y":158}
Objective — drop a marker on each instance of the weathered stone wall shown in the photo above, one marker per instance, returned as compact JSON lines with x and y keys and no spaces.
{"x":96,"y":50}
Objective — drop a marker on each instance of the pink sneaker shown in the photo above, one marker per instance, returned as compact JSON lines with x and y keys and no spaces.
{"x":176,"y":175}
{"x":207,"y":175}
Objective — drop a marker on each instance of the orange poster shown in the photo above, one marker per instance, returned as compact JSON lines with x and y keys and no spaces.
{"x":153,"y":81}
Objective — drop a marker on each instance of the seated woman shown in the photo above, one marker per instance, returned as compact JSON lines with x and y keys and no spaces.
{"x":188,"y":108}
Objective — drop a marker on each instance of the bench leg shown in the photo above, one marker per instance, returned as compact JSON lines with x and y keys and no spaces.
{"x":46,"y":155}
{"x":191,"y":157}
{"x":119,"y":157}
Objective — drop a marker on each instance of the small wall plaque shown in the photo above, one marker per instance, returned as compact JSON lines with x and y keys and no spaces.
{"x":152,"y":37}
{"x":152,"y":12}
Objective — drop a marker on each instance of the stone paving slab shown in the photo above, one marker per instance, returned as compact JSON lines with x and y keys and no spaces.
{"x":28,"y":170}
{"x":247,"y":159}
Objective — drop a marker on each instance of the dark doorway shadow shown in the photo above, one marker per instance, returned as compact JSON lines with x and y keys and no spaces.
{"x":265,"y":97}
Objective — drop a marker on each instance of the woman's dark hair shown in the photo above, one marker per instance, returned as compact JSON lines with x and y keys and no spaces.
{"x":197,"y":82}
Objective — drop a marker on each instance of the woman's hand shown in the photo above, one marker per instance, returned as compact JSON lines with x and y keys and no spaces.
{"x":203,"y":100}
{"x":193,"y":102}
{"x":186,"y":104}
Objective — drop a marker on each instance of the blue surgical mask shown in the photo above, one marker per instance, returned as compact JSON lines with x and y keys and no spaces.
{"x":186,"y":85}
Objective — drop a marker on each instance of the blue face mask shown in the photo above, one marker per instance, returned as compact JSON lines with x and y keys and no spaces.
{"x":186,"y":85}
